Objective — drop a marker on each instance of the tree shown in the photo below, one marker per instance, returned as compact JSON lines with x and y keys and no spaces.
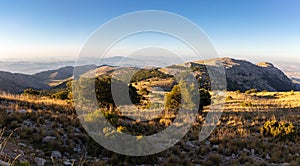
{"x":104,"y":94}
{"x":173,"y":98}
{"x":31,"y":92}
{"x":62,"y":95}
{"x":205,"y":98}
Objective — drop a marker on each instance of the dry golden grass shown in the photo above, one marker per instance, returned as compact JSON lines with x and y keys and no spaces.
{"x":33,"y":99}
{"x":264,"y":101}
{"x":235,"y":141}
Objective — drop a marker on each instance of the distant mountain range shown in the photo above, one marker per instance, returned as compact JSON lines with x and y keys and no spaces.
{"x":240,"y":74}
{"x":27,"y":67}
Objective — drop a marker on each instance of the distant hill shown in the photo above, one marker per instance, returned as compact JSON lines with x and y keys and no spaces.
{"x":240,"y":74}
{"x":62,"y":73}
{"x":16,"y":83}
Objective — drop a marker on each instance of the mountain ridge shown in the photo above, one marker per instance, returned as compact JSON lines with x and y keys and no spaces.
{"x":240,"y":74}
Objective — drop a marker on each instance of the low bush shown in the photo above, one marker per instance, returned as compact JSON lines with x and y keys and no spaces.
{"x":246,"y":104}
{"x":31,"y":92}
{"x":251,"y":91}
{"x":62,"y":95}
{"x":229,"y":98}
{"x":277,"y":129}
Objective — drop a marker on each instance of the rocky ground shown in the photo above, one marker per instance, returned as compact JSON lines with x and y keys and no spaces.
{"x":47,"y":132}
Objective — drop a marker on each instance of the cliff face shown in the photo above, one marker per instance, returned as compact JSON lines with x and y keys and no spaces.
{"x":243,"y":75}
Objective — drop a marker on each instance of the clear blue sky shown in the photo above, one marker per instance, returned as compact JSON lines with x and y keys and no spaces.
{"x":250,"y":29}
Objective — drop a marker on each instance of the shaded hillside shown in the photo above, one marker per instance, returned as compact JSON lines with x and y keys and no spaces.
{"x":61,"y":73}
{"x":16,"y":83}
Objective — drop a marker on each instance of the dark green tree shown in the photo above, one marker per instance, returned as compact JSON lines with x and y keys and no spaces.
{"x":173,"y":98}
{"x":104,"y":94}
{"x":31,"y":92}
{"x":205,"y":98}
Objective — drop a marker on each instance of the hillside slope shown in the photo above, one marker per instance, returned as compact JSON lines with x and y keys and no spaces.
{"x":16,"y":83}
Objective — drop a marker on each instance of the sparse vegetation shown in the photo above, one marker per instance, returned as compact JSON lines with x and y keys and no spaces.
{"x":251,"y":91}
{"x":278,"y":129}
{"x":245,"y":135}
{"x":173,"y":99}
{"x":32,"y":92}
{"x":148,"y":73}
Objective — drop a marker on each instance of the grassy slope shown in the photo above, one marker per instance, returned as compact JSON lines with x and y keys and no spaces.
{"x":236,"y":140}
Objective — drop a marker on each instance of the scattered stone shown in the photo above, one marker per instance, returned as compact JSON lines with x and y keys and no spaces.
{"x":48,"y":139}
{"x":73,"y":160}
{"x":56,"y":154}
{"x":215,"y":146}
{"x":4,"y":163}
{"x":28,"y":123}
{"x":268,"y":157}
{"x":188,"y":143}
{"x":105,"y":158}
{"x":67,"y":163}
{"x":233,"y":156}
{"x":246,"y":150}
{"x":40,"y":152}
{"x":77,"y":149}
{"x":21,"y":152}
{"x":39,"y":161}
{"x":77,"y":130}
{"x":252,"y":152}
{"x":66,"y":154}
{"x":22,"y":144}
{"x":22,"y":111}
{"x":9,"y":111}
{"x":207,"y":143}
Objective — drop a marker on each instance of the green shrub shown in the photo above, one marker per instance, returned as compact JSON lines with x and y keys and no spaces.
{"x":146,"y":74}
{"x":173,"y":98}
{"x":62,"y":95}
{"x":104,"y":94}
{"x":251,"y":91}
{"x":144,"y":91}
{"x":246,"y":104}
{"x":229,"y":98}
{"x":31,"y":92}
{"x":205,"y":98}
{"x":278,"y":129}
{"x":292,"y":92}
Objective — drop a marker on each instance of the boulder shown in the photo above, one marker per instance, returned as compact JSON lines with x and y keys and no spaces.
{"x":56,"y":154}
{"x":39,"y":161}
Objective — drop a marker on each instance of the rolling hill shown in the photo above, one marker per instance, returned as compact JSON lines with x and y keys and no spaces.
{"x":240,"y":75}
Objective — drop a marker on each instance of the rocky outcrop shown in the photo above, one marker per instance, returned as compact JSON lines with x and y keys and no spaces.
{"x":243,"y":75}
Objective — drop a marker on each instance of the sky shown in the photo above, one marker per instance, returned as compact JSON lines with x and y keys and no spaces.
{"x":257,"y":30}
